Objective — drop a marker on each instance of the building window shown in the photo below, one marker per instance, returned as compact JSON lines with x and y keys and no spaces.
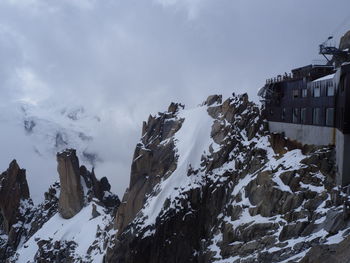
{"x":283,"y":116}
{"x":303,"y":115}
{"x":330,"y":89}
{"x":295,"y":93}
{"x":317,"y":90}
{"x":295,"y":115}
{"x":342,"y":84}
{"x":304,"y":93}
{"x":330,"y":116}
{"x":316,"y":119}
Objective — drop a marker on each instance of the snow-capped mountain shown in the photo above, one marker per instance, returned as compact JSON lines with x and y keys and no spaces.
{"x":34,"y":133}
{"x":53,"y":130}
{"x":209,"y":184}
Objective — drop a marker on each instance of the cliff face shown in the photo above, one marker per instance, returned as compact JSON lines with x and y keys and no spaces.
{"x":14,"y":195}
{"x":154,"y":159}
{"x":13,"y":190}
{"x":212,"y":185}
{"x":71,"y":199}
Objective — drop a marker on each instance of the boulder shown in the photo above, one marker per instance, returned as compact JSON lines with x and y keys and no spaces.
{"x":213,"y":99}
{"x":292,"y":230}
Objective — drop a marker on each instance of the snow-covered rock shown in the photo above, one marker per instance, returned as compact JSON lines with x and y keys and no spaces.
{"x":42,"y":233}
{"x":232,"y":192}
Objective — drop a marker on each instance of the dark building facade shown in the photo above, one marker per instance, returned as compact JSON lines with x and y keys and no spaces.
{"x":343,"y":100}
{"x":302,"y":98}
{"x":312,"y":105}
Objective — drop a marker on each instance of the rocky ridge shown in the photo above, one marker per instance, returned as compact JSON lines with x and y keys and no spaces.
{"x":14,"y":196}
{"x":248,"y":195}
{"x":73,"y":223}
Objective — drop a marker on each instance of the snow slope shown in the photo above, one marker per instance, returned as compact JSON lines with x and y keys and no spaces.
{"x":191,"y":141}
{"x":80,"y":229}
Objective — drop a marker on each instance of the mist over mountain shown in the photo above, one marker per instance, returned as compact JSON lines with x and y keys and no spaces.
{"x":34,"y":133}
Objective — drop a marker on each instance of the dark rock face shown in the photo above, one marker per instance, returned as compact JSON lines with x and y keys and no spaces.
{"x":213,"y":99}
{"x":336,"y":253}
{"x":13,"y":189}
{"x":30,"y":220}
{"x":179,"y":239}
{"x":14,"y":198}
{"x":154,"y":159}
{"x":99,"y":189}
{"x":71,"y":198}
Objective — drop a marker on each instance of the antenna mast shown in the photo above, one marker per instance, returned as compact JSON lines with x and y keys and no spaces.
{"x":338,"y":56}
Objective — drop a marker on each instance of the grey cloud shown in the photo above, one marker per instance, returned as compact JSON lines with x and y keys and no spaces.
{"x":127,"y":59}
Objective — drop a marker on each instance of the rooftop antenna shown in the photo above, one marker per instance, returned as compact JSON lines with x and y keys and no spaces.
{"x":326,"y":49}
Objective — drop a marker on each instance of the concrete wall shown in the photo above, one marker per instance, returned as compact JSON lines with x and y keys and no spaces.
{"x":342,"y":152}
{"x":305,"y":134}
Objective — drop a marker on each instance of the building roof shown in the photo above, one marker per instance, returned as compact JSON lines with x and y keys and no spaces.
{"x":330,"y":76}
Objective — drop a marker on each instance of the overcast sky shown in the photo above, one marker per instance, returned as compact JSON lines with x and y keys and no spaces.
{"x":134,"y":57}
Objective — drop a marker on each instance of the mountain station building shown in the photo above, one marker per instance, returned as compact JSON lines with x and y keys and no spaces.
{"x":311,"y":105}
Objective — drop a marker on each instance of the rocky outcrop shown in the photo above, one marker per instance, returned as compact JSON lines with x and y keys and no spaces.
{"x":13,"y":189}
{"x":154,"y":159}
{"x":71,"y":198}
{"x":78,"y":186}
{"x":335,"y":253}
{"x":14,"y":195}
{"x":99,"y":189}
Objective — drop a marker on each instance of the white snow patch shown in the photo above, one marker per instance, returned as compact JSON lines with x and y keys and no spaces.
{"x":80,"y":229}
{"x":192,"y":141}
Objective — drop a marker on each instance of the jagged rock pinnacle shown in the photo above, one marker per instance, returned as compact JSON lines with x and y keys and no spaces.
{"x":72,"y":196}
{"x":13,"y":188}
